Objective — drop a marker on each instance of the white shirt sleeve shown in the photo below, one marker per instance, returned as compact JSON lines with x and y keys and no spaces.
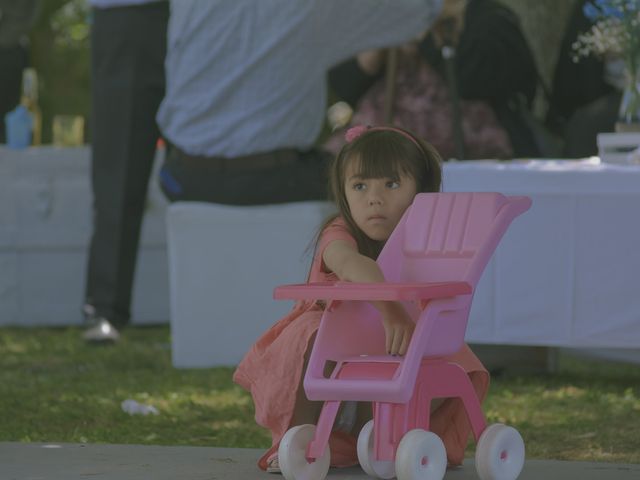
{"x":348,"y":27}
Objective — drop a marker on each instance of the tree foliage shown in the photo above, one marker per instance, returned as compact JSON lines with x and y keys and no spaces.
{"x":60,"y":55}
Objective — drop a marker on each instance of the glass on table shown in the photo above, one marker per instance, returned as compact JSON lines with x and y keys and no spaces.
{"x":68,"y":130}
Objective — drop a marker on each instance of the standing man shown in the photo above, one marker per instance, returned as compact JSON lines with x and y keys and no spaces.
{"x":246,"y":90}
{"x":128,"y":46}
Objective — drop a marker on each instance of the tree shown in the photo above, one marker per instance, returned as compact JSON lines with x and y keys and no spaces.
{"x":60,"y":55}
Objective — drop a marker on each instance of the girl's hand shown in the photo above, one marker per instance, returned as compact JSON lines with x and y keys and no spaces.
{"x":398,"y":327}
{"x":344,"y":260}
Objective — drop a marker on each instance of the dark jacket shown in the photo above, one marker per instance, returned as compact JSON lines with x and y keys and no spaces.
{"x":575,"y":84}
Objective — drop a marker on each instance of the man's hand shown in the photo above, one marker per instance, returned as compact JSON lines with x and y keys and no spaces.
{"x":449,"y":25}
{"x":372,"y":61}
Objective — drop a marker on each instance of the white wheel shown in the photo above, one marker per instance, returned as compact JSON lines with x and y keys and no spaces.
{"x":373,"y":468}
{"x":292,"y":455}
{"x":499,"y":453}
{"x":421,"y":456}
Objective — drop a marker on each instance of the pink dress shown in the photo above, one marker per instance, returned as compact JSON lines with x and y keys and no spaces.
{"x":272,"y":372}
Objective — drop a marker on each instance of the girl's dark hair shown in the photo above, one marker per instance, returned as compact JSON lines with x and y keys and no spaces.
{"x":378,"y":153}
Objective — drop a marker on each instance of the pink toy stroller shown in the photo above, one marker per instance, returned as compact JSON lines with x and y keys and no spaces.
{"x":432,"y":263}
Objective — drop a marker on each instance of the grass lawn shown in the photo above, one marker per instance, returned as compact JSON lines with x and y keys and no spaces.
{"x":57,"y":389}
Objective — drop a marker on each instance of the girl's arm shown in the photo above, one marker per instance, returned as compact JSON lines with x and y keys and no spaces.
{"x":343,"y":259}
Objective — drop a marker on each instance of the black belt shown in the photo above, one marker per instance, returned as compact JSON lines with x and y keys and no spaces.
{"x":258,"y":161}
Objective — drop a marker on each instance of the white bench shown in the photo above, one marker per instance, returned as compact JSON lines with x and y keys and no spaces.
{"x":224,"y":263}
{"x":45,"y":227}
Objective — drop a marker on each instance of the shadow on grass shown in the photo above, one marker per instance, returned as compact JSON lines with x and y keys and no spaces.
{"x":58,"y":389}
{"x":587,"y":410}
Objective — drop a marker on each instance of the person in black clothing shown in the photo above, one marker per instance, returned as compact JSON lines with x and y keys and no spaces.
{"x":584,"y":99}
{"x":128,"y":47}
{"x":493,"y":64}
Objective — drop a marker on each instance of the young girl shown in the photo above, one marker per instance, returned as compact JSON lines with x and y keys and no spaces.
{"x":373,"y":180}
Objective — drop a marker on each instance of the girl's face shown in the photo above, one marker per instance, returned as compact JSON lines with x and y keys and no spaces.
{"x":377,"y":204}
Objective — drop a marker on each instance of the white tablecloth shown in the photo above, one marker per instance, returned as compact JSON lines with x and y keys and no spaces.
{"x":45,"y":227}
{"x":567,"y":271}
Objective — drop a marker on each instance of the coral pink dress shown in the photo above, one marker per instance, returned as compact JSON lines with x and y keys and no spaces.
{"x":272,"y":372}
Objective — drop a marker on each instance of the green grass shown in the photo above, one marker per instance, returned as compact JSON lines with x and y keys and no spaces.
{"x":588,"y":410}
{"x":54,"y":388}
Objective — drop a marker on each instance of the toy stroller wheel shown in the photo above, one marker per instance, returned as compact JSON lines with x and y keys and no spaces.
{"x":373,"y":468}
{"x":421,"y":456}
{"x":499,"y":453}
{"x":292,"y":455}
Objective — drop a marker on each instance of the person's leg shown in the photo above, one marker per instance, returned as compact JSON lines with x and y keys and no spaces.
{"x":364,"y":413}
{"x":128,"y":49}
{"x":305,"y":411}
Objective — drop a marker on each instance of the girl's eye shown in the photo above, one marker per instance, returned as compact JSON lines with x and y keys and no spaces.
{"x":393,"y":184}
{"x":359,"y":186}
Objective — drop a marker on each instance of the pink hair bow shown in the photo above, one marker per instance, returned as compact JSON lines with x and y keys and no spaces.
{"x":355,"y":132}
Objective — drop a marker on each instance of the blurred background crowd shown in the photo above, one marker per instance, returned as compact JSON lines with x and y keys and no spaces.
{"x":55,"y":42}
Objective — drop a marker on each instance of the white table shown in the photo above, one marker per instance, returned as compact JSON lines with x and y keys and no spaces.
{"x":567,"y":272}
{"x":564,"y":275}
